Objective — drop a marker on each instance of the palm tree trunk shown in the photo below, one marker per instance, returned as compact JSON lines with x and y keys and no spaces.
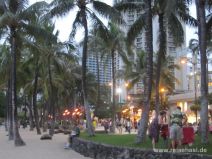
{"x":98,"y":82}
{"x":200,"y":7}
{"x":6,"y":112}
{"x":17,"y":138}
{"x":84,"y":87}
{"x":35,"y":99}
{"x":161,"y":56}
{"x":29,"y":105}
{"x":148,"y":79}
{"x":51,"y":101}
{"x":45,"y":117}
{"x":10,"y":109}
{"x":113,"y":91}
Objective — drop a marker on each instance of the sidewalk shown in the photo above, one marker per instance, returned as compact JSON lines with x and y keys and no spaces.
{"x":36,"y":148}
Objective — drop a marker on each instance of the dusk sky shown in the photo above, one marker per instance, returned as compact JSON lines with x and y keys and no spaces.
{"x":64,"y":24}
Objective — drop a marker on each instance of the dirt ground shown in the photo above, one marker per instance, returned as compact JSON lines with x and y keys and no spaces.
{"x":36,"y":148}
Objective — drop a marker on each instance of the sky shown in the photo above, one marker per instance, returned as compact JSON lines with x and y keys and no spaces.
{"x":64,"y":24}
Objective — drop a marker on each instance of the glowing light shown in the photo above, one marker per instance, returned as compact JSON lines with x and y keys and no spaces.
{"x":128,"y":97}
{"x":76,"y":110}
{"x":183,"y":61}
{"x":118,"y":90}
{"x":162,"y":89}
{"x":131,"y":107}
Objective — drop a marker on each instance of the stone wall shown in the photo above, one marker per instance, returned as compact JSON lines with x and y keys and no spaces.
{"x":104,"y":151}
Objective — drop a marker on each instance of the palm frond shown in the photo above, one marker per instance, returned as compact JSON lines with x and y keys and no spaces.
{"x":135,"y":29}
{"x":34,"y":11}
{"x":125,"y":6}
{"x":176,"y":30}
{"x":3,"y":6}
{"x":186,"y":18}
{"x":99,"y":26}
{"x":17,"y":5}
{"x":107,"y":11}
{"x":209,"y":26}
{"x":61,"y":7}
{"x":76,"y":24}
{"x":36,"y":31}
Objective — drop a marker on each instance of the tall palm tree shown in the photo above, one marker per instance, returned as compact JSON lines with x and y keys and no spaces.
{"x":15,"y":19}
{"x":201,"y":18}
{"x":170,"y":14}
{"x":5,"y":72}
{"x":10,"y":12}
{"x":111,"y":47}
{"x":60,"y":8}
{"x":134,"y":72}
{"x":149,"y":73}
{"x":93,"y":49}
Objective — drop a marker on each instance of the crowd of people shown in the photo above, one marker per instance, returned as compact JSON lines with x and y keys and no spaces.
{"x":121,"y":124}
{"x":171,"y":125}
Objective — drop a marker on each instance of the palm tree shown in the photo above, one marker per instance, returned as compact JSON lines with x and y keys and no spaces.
{"x":5,"y":72}
{"x":61,"y":7}
{"x":10,"y":12}
{"x":93,"y":49}
{"x":149,"y":73}
{"x":15,"y":18}
{"x":111,"y":47}
{"x":170,"y":14}
{"x":135,"y":71}
{"x":201,"y":18}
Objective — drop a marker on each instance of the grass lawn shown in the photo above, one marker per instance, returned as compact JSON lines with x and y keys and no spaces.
{"x":129,"y":141}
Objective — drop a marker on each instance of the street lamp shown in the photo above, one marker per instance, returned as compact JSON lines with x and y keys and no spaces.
{"x":118,"y":91}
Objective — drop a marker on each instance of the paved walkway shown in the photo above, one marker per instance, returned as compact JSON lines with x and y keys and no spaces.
{"x":36,"y":148}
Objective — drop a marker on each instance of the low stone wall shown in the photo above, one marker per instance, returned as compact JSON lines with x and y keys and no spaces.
{"x":104,"y":151}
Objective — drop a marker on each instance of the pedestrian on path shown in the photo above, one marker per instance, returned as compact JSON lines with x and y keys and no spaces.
{"x":154,"y":129}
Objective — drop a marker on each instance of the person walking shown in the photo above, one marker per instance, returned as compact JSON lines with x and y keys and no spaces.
{"x":154,"y":129}
{"x":176,"y":133}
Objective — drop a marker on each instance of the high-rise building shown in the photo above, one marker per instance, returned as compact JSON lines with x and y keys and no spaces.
{"x":96,"y":61}
{"x":104,"y":63}
{"x":130,"y":16}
